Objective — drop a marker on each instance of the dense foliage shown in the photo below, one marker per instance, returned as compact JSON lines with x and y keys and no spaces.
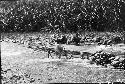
{"x":63,"y":15}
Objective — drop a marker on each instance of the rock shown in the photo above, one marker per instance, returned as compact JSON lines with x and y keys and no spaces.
{"x":114,"y":62}
{"x":112,"y":58}
{"x":116,"y":58}
{"x":102,"y":58}
{"x":121,"y":59}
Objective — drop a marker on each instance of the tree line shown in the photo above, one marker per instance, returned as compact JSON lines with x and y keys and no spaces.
{"x":63,"y":15}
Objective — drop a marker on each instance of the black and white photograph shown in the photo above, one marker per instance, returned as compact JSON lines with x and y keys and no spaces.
{"x":62,"y":41}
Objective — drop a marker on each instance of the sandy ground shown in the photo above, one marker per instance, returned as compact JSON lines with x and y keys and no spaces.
{"x":20,"y":61}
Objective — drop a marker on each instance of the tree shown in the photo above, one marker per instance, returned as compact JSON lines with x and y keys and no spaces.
{"x":65,"y":15}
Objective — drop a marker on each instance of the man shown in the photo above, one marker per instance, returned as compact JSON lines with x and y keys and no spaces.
{"x":59,"y":50}
{"x":69,"y":39}
{"x":76,"y":39}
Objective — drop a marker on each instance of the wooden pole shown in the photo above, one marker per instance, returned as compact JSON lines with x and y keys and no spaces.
{"x":124,"y":37}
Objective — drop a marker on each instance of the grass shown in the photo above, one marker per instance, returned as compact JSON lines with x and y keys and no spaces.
{"x":60,"y":72}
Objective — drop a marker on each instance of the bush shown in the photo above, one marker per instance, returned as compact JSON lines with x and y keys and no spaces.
{"x":105,"y":59}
